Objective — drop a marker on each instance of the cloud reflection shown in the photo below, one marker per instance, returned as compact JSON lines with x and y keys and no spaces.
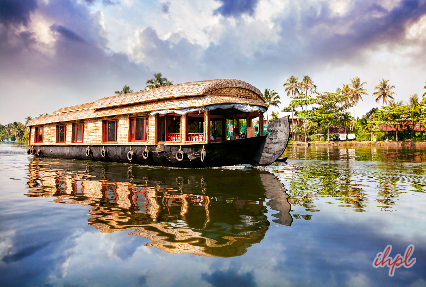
{"x":179,"y":211}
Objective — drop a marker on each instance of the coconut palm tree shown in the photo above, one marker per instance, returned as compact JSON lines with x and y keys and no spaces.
{"x":271,"y":98}
{"x":306,"y":85}
{"x":394,"y":103}
{"x":27,"y":120}
{"x":424,"y":94}
{"x":345,"y":90}
{"x":356,"y":91}
{"x":383,"y":91}
{"x":126,"y":89}
{"x":157,"y":81}
{"x":414,"y":104}
{"x":413,"y":101}
{"x":291,"y":86}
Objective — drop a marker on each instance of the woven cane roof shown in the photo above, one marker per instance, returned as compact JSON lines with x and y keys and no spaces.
{"x":74,"y":108}
{"x":175,"y":91}
{"x":172,"y":96}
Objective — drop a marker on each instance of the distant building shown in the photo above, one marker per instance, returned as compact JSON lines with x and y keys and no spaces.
{"x":407,"y":125}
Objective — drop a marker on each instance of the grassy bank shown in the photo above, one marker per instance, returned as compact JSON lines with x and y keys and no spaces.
{"x":362,"y":143}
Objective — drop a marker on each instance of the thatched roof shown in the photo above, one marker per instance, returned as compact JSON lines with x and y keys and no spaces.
{"x":121,"y":104}
{"x":174,"y":91}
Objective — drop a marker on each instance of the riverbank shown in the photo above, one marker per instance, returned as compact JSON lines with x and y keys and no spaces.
{"x":362,"y":144}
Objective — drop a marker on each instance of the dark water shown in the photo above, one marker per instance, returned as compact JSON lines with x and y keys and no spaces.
{"x":319,"y":220}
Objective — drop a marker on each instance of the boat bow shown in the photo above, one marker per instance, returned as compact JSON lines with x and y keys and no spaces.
{"x":275,"y":143}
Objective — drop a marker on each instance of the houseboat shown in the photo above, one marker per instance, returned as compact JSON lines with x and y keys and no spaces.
{"x":195,"y":124}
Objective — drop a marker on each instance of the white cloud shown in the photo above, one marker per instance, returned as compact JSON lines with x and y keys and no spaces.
{"x":358,"y":280}
{"x":417,"y":31}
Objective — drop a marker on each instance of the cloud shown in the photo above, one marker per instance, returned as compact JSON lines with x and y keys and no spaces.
{"x":262,"y":42}
{"x":16,"y":13}
{"x":126,"y":251}
{"x":23,"y":253}
{"x":321,"y":35}
{"x":63,"y":51}
{"x":142,"y":280}
{"x":165,"y":7}
{"x":236,"y":8}
{"x":174,"y":53}
{"x":66,"y":33}
{"x":229,"y":277}
{"x":105,"y":2}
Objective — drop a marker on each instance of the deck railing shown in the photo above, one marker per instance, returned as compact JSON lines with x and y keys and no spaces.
{"x":195,"y":137}
{"x":175,"y":137}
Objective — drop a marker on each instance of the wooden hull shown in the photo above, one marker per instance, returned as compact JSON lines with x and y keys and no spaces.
{"x":256,"y":151}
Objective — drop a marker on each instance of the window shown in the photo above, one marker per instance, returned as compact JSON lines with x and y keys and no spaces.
{"x":168,"y":128}
{"x":110,"y":131}
{"x":195,"y":127}
{"x":138,"y":129}
{"x":60,"y":133}
{"x":38,"y":135}
{"x":216,"y":130}
{"x":173,"y":128}
{"x":77,"y":132}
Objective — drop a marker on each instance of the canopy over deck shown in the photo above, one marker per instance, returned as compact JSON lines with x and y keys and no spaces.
{"x":176,"y":97}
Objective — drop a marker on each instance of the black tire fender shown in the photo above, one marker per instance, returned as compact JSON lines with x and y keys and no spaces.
{"x":145,"y":153}
{"x":104,"y":152}
{"x":203,"y":155}
{"x":88,"y":151}
{"x":130,"y":155}
{"x":179,"y":155}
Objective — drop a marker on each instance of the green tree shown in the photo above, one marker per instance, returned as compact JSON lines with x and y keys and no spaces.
{"x":347,"y":98}
{"x":272,"y":99}
{"x":292,"y":87}
{"x":424,"y":94}
{"x":27,"y":120}
{"x":357,"y":90}
{"x":422,"y":107}
{"x":306,"y":86}
{"x":383,"y":91}
{"x":328,"y":111}
{"x":414,"y":111}
{"x":126,"y":90}
{"x":365,"y":125}
{"x":345,"y":90}
{"x":157,"y":81}
{"x":394,"y":115}
{"x":274,"y":116}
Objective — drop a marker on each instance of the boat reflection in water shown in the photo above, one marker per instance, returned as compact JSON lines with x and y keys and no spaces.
{"x":207,"y":212}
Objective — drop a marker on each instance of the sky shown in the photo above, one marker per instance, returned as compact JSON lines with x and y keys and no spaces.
{"x":58,"y":53}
